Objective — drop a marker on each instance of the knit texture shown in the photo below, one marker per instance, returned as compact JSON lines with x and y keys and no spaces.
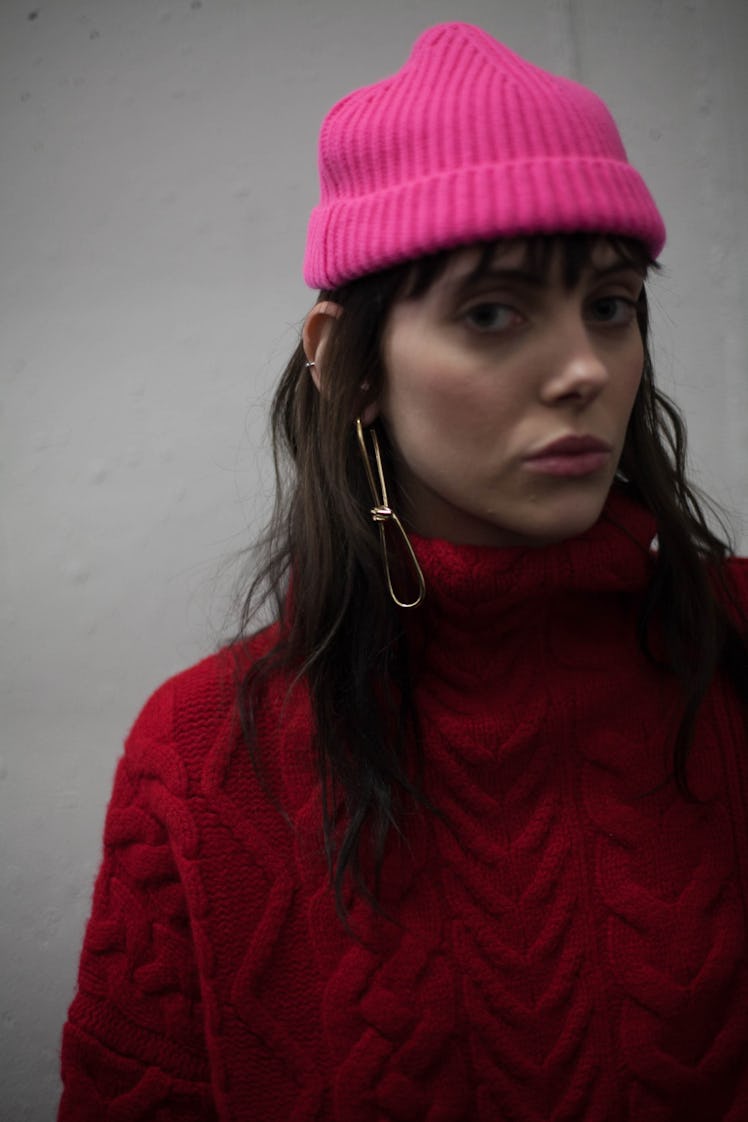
{"x":567,"y":943}
{"x":467,"y":142}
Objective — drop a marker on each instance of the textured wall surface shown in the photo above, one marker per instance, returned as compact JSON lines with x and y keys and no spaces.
{"x":158,"y":168}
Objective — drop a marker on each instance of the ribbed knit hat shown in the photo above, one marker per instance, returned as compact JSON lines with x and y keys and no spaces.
{"x":467,"y":142}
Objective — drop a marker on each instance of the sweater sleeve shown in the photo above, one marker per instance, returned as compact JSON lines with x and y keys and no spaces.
{"x":134,"y":1044}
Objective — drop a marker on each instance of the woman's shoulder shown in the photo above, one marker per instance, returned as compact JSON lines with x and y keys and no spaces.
{"x":184,"y":717}
{"x":737,"y":568}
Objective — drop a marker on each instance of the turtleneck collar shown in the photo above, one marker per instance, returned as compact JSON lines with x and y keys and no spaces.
{"x":499,"y":624}
{"x":614,"y":555}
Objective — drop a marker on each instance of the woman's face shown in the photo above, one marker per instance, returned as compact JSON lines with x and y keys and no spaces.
{"x":507,"y":396}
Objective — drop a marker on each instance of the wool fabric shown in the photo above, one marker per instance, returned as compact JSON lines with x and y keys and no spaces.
{"x":567,"y":941}
{"x":467,"y":142}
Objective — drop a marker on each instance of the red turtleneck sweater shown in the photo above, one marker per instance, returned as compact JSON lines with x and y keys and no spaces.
{"x":567,"y":943}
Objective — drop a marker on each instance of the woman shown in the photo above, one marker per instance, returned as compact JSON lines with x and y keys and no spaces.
{"x":463,"y":835}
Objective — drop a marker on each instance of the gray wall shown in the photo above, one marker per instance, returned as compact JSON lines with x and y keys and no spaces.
{"x":158,"y":166}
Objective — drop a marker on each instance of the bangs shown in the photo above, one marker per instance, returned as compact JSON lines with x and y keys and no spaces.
{"x":575,"y":252}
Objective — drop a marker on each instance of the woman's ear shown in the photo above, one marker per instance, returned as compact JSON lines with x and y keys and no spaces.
{"x":370,"y":414}
{"x":315,"y":335}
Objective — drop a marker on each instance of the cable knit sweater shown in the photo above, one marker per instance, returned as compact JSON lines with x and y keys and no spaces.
{"x":568,"y":942}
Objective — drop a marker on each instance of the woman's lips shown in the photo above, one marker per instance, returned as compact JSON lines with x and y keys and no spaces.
{"x":570,"y":456}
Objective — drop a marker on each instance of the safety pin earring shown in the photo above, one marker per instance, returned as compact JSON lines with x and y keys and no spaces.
{"x":382,"y":513}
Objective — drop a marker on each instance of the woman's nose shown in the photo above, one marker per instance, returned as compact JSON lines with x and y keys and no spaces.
{"x":577,"y":372}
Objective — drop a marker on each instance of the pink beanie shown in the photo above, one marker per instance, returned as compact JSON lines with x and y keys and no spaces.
{"x":467,"y":142}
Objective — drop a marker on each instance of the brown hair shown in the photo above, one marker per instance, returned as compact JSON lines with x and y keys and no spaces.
{"x":344,"y":636}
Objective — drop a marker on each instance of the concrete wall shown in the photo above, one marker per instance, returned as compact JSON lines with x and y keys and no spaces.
{"x":157,"y":169}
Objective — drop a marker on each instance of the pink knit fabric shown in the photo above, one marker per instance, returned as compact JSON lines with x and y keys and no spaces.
{"x":467,"y":142}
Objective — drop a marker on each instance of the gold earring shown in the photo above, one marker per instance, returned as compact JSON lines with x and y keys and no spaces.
{"x":383,"y":513}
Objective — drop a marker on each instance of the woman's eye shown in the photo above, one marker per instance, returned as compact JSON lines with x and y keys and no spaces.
{"x":492,"y":317}
{"x":618,"y":311}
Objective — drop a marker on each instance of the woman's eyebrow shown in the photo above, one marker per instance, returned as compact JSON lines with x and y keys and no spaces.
{"x":495,"y":275}
{"x":619,"y":267}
